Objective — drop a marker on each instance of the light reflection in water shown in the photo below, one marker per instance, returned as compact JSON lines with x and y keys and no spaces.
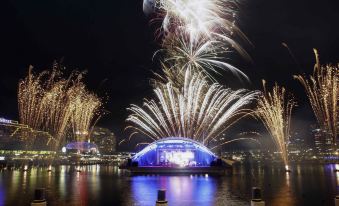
{"x":337,"y":173}
{"x":15,"y":180}
{"x":298,"y":169}
{"x":95,"y":182}
{"x":49,"y":178}
{"x":24,"y":180}
{"x":332,"y":169}
{"x":79,"y":187}
{"x":107,"y":185}
{"x":2,"y":195}
{"x":182,"y":190}
{"x":33,"y":173}
{"x":62,"y":183}
{"x":287,"y":179}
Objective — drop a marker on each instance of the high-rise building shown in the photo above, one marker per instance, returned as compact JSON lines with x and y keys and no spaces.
{"x":296,"y":143}
{"x":104,"y":139}
{"x":322,"y":141}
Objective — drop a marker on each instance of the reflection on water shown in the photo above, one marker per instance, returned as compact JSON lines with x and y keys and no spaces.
{"x":107,"y":185}
{"x":2,"y":194}
{"x":337,"y":174}
{"x":181,"y":190}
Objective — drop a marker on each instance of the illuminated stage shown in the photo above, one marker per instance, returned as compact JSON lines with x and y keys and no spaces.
{"x":176,"y":155}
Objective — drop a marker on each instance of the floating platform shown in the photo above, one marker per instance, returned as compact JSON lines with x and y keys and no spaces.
{"x":177,"y":155}
{"x":179,"y":170}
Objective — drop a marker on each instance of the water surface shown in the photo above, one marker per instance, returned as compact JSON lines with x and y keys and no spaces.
{"x":107,"y":185}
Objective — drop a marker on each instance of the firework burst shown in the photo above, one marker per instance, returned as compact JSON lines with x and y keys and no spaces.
{"x":197,"y":17}
{"x":274,"y":110}
{"x":50,"y":103}
{"x":30,"y":93}
{"x":204,"y":55}
{"x":85,"y":109}
{"x":198,"y":110}
{"x":196,"y":36}
{"x":55,"y":107}
{"x":322,"y":89}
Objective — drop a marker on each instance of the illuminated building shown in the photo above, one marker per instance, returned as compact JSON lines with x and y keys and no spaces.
{"x":322,"y":141}
{"x":104,"y":139}
{"x":16,"y":136}
{"x":175,"y":152}
{"x":176,"y":155}
{"x":81,"y":147}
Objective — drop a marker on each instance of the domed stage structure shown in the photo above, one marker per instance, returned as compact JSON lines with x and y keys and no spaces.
{"x":176,"y":155}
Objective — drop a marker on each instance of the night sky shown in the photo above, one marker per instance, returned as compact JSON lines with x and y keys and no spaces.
{"x":114,"y":42}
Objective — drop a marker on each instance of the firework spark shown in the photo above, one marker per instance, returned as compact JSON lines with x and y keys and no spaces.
{"x":85,"y":111}
{"x":274,"y":110}
{"x":30,"y":93}
{"x":204,"y":55}
{"x":197,"y":17}
{"x":197,"y":34}
{"x":322,"y":89}
{"x":198,"y":110}
{"x":243,"y":136}
{"x":50,"y":103}
{"x":235,"y":140}
{"x":55,"y":107}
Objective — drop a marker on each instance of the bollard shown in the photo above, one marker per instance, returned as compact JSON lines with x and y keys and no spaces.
{"x":39,"y":198}
{"x":287,"y":169}
{"x":78,"y":169}
{"x":161,"y":198}
{"x":49,"y":168}
{"x":256,"y":197}
{"x":336,"y":200}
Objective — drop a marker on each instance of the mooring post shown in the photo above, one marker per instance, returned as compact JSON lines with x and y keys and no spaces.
{"x":336,"y":200}
{"x":161,"y":201}
{"x":256,"y":197}
{"x":39,"y":198}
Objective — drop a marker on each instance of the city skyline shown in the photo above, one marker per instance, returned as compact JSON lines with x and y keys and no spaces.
{"x":108,"y":66}
{"x":169,"y":102}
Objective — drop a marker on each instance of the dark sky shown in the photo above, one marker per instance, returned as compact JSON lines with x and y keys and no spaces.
{"x":115,"y":43}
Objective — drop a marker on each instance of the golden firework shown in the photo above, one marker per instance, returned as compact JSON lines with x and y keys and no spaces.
{"x":51,"y":103}
{"x":322,"y":89}
{"x":85,"y":111}
{"x":30,"y":93}
{"x":274,"y":110}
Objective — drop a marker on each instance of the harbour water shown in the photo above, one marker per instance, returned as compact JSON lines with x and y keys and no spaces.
{"x":107,"y":185}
